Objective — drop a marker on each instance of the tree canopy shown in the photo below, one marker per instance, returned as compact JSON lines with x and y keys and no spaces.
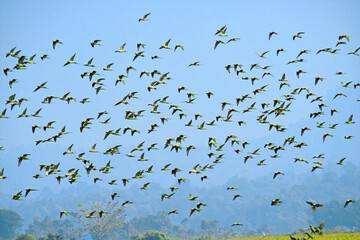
{"x":9,"y":222}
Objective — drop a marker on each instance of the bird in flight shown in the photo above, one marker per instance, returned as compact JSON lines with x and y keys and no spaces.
{"x":144,"y":18}
{"x":71,"y":61}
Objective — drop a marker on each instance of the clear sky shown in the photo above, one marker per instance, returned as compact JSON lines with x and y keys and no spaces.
{"x":32,"y":26}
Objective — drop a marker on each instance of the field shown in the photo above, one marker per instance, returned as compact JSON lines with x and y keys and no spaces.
{"x":342,"y":236}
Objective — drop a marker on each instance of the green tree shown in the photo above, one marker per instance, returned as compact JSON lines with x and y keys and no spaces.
{"x":209,"y":225}
{"x":184,"y":222}
{"x":63,"y":227}
{"x":9,"y":222}
{"x":40,"y":228}
{"x":159,"y":222}
{"x":52,"y":236}
{"x":25,"y":236}
{"x":99,"y":219}
{"x":150,"y":235}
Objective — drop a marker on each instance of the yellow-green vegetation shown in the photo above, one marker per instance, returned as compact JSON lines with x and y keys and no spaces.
{"x":341,"y":236}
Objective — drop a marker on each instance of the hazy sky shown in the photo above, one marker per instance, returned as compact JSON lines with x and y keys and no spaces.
{"x":31,"y":28}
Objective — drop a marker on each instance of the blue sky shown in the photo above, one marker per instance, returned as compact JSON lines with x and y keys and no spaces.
{"x":32,"y":27}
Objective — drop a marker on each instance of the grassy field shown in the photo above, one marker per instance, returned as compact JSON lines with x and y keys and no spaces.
{"x":343,"y":236}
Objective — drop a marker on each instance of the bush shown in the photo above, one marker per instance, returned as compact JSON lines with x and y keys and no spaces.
{"x":150,"y":235}
{"x":25,"y":236}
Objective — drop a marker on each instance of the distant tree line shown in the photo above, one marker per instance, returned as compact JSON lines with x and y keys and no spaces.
{"x":87,"y":222}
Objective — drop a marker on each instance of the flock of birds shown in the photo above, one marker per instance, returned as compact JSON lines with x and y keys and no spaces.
{"x":275,"y":109}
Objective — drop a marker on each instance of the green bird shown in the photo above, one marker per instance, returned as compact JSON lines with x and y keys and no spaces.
{"x":201,"y":126}
{"x":178,"y":46}
{"x":28,"y":190}
{"x":233,"y":40}
{"x":11,"y":52}
{"x":45,"y":56}
{"x":145,"y":186}
{"x":262,"y":55}
{"x":90,"y":215}
{"x":2,"y":174}
{"x":31,"y":60}
{"x":33,"y":127}
{"x":349,"y":201}
{"x":221,"y":30}
{"x":193,"y":210}
{"x":142,"y":158}
{"x":88,"y":64}
{"x":168,"y":196}
{"x":71,"y":61}
{"x":23,"y":157}
{"x":189,"y":148}
{"x":261,"y":163}
{"x":40,"y":86}
{"x":237,"y":224}
{"x":350,"y":121}
{"x":144,"y":18}
{"x":125,"y":180}
{"x":272,"y":33}
{"x":128,"y":68}
{"x":126,"y":202}
{"x":93,"y":149}
{"x":355,"y":52}
{"x":277,"y":173}
{"x":149,"y":170}
{"x":95,"y":42}
{"x":12,"y":81}
{"x":164,"y":168}
{"x":54,"y":42}
{"x":37,"y":176}
{"x":121,"y":50}
{"x":114,"y":195}
{"x":217,"y":42}
{"x":68,"y":151}
{"x":325,"y":135}
{"x":236,"y":196}
{"x":6,"y":70}
{"x":280,"y":50}
{"x":63,"y":212}
{"x":341,"y":161}
{"x":101,"y":213}
{"x":181,"y":180}
{"x":108,"y":67}
{"x":112,"y":182}
{"x":276,"y":202}
{"x":36,"y":114}
{"x":138,"y":45}
{"x":315,"y":167}
{"x":173,"y":212}
{"x":314,"y":206}
{"x":166,"y":45}
{"x":194,"y":64}
{"x":138,"y":54}
{"x":319,"y":156}
{"x":192,"y":198}
{"x":17,"y":196}
{"x":344,"y":36}
{"x":298,"y":35}
{"x":97,"y":179}
{"x":85,"y":100}
{"x":298,"y":73}
{"x":49,"y":125}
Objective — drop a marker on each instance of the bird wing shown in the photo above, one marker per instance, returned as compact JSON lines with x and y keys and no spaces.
{"x":72,"y":58}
